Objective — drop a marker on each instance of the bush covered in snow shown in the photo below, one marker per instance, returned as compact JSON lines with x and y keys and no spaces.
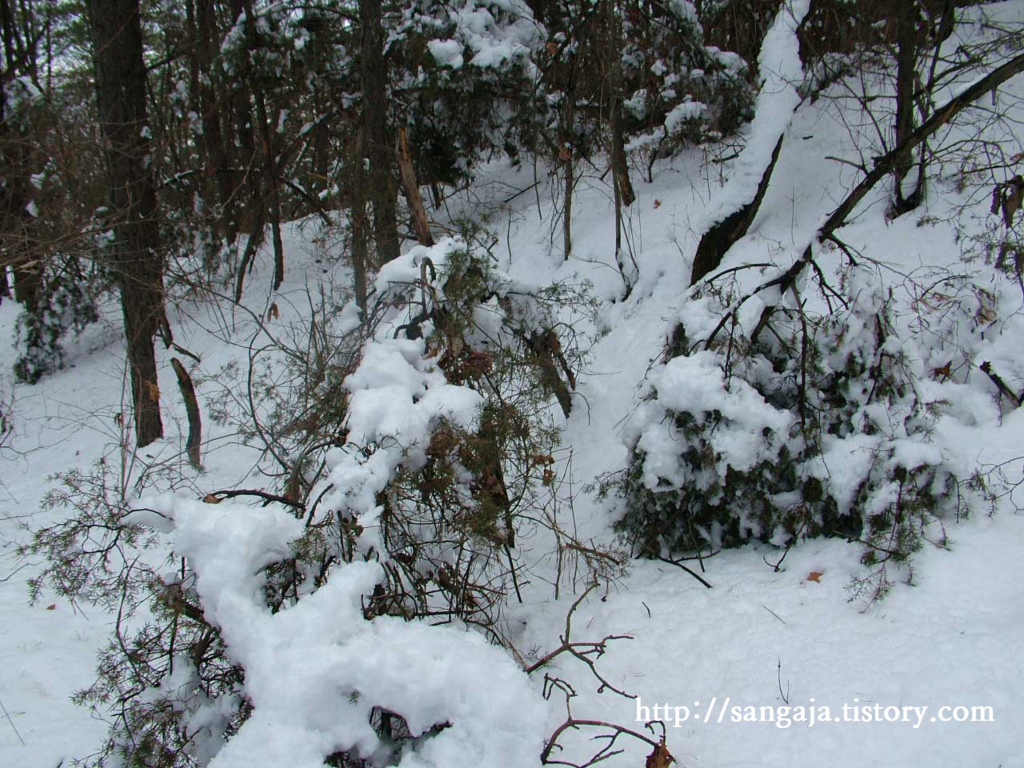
{"x":312,"y":614}
{"x":810,"y":426}
{"x":64,"y":306}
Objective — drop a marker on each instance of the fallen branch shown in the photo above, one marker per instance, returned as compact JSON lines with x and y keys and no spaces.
{"x":1001,"y":385}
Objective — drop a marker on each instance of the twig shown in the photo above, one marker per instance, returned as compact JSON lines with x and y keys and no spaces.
{"x":773,"y":613}
{"x":693,"y":573}
{"x":1001,"y":385}
{"x":583,"y":650}
{"x":13,"y":726}
{"x":267,"y":497}
{"x":785,"y":696}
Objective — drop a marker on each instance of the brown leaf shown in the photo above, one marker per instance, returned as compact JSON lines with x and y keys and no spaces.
{"x":549,"y":477}
{"x":552,"y":47}
{"x":660,"y":757}
{"x":657,"y":203}
{"x":51,"y":607}
{"x":815,"y":576}
{"x":944,"y":372}
{"x":211,"y":498}
{"x":273,"y":313}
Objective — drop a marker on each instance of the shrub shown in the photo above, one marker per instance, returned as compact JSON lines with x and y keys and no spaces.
{"x":812,"y":426}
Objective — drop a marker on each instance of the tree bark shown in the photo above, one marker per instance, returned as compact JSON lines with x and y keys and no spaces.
{"x":193,"y":445}
{"x":378,"y":144}
{"x":135,"y":258}
{"x":218,"y":179}
{"x":269,"y":166}
{"x":358,"y":224}
{"x":724,"y":234}
{"x":412,"y":190}
{"x":907,"y":44}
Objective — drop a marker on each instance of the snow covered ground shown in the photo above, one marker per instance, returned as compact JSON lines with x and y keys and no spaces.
{"x":786,"y":637}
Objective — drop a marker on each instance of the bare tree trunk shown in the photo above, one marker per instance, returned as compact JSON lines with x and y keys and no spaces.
{"x":121,"y":97}
{"x":16,"y":191}
{"x":242,"y":143}
{"x":724,"y":234}
{"x":412,"y":190}
{"x":378,"y":145}
{"x":193,"y":445}
{"x":907,"y":43}
{"x":570,"y":182}
{"x":218,"y":177}
{"x":269,"y":171}
{"x":359,"y":226}
{"x":623,"y":189}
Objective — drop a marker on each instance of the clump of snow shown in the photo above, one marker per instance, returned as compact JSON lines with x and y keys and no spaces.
{"x":315,"y":671}
{"x":447,"y":53}
{"x":680,"y":114}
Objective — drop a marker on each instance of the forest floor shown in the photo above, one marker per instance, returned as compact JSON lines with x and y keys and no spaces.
{"x":791,"y":636}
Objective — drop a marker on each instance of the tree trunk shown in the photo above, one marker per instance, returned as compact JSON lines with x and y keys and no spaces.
{"x":412,"y":190}
{"x":194,"y":443}
{"x":136,"y":261}
{"x":218,"y":178}
{"x":378,"y":145}
{"x":570,"y":182}
{"x":907,"y":44}
{"x":359,"y":227}
{"x":724,"y":234}
{"x":267,"y":142}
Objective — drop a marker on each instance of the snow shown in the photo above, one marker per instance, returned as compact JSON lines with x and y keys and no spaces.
{"x":762,"y":636}
{"x":781,"y":75}
{"x":447,"y":53}
{"x":688,"y":110}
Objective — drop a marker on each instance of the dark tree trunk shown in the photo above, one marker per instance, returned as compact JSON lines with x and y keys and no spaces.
{"x":219,"y":181}
{"x":420,"y":222}
{"x":907,"y":44}
{"x":356,"y":175}
{"x":269,"y":166}
{"x":379,"y":145}
{"x":15,"y":169}
{"x":725,"y":233}
{"x":242,"y":140}
{"x":121,"y":97}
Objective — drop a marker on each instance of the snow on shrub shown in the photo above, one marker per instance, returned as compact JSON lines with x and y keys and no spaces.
{"x":812,"y":427}
{"x":303,"y":631}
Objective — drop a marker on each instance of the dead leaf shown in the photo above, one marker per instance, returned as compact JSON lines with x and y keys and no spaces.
{"x":552,"y":47}
{"x":52,"y":607}
{"x":815,"y":576}
{"x":548,"y":477}
{"x":211,"y":498}
{"x":273,"y":313}
{"x":660,"y":757}
{"x":657,"y":204}
{"x":944,"y":372}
